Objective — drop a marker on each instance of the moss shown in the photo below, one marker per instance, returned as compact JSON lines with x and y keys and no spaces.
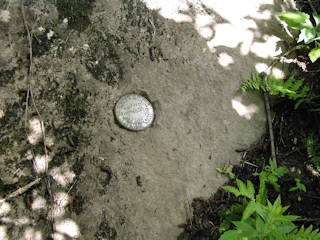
{"x":24,"y":180}
{"x":104,"y":62}
{"x":7,"y":76}
{"x":76,"y":11}
{"x":41,"y":44}
{"x":78,"y":202}
{"x":79,"y":165}
{"x":9,"y":125}
{"x":105,"y":232}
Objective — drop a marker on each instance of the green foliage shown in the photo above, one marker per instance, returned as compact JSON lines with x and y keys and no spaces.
{"x":299,"y":187}
{"x":242,"y":190}
{"x":262,"y":222}
{"x":227,"y":169}
{"x":257,"y":218}
{"x":271,"y":175}
{"x":277,"y":86}
{"x":308,"y":31}
{"x":312,"y":144}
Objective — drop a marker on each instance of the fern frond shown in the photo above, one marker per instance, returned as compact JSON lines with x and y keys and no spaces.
{"x":263,"y":192}
{"x":249,"y":210}
{"x":256,"y":82}
{"x":231,"y":189}
{"x":304,"y":233}
{"x":292,"y":89}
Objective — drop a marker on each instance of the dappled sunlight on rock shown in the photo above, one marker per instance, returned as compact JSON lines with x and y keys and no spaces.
{"x":171,"y":9}
{"x":40,"y":163}
{"x":231,"y":36}
{"x":243,"y":110}
{"x":225,"y":59}
{"x":17,"y":222}
{"x":62,"y":174}
{"x":68,"y":227}
{"x":203,"y":25}
{"x":3,"y":233}
{"x":267,"y":48}
{"x":31,"y":233}
{"x":4,"y":208}
{"x":60,"y":201}
{"x":39,"y":203}
{"x":35,"y":133}
{"x":57,"y":236}
{"x":261,"y":67}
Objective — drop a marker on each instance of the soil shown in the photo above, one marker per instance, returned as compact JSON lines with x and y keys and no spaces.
{"x":105,"y":182}
{"x":291,"y":126}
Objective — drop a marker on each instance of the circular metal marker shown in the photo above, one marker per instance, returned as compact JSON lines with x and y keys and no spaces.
{"x":134,"y":112}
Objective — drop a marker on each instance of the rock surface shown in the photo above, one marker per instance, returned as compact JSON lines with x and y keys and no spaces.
{"x":187,"y":57}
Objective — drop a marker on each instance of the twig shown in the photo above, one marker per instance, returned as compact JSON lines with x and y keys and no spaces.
{"x":306,"y":220}
{"x":21,"y":190}
{"x":30,"y":78}
{"x":273,"y":151}
{"x":267,"y":104}
{"x":283,"y":55}
{"x":312,"y":7}
{"x":251,"y":164}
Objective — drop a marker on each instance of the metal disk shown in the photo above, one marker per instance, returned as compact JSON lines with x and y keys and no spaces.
{"x":134,"y":112}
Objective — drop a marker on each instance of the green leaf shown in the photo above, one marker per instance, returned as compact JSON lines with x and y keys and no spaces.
{"x":233,"y":190}
{"x":230,"y":235}
{"x":314,"y":54}
{"x":249,"y":210}
{"x":260,"y":225}
{"x":232,"y":175}
{"x":306,"y":35}
{"x":247,"y":229}
{"x":296,"y":20}
{"x":285,"y":229}
{"x":316,"y":18}
{"x":242,"y":186}
{"x":293,"y":189}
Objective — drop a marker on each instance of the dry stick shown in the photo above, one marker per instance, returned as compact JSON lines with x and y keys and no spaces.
{"x":21,"y":190}
{"x":30,"y":78}
{"x":273,"y":151}
{"x":267,"y":103}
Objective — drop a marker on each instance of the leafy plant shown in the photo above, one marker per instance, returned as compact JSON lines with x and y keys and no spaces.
{"x":274,"y":85}
{"x":308,"y":32}
{"x":262,"y":222}
{"x":299,"y":186}
{"x":271,"y":175}
{"x":227,"y":169}
{"x":312,"y":144}
{"x":257,"y":218}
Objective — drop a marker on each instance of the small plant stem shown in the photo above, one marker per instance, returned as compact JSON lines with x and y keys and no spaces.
{"x":283,"y":55}
{"x":312,"y":7}
{"x":273,"y":152}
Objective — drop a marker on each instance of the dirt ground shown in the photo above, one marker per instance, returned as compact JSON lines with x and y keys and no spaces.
{"x":187,"y":57}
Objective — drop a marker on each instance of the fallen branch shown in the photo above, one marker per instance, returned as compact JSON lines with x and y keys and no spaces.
{"x":20,"y":190}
